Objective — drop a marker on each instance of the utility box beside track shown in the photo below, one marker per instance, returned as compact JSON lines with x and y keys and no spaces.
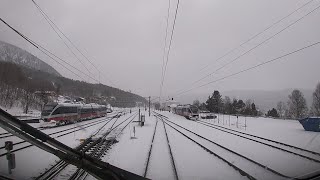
{"x":142,"y":120}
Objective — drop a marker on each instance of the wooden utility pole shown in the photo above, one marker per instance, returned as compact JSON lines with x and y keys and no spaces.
{"x":139,"y":116}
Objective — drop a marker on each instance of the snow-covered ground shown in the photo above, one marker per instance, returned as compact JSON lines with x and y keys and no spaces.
{"x":31,"y":161}
{"x":20,"y":114}
{"x":191,"y":160}
{"x":289,"y":131}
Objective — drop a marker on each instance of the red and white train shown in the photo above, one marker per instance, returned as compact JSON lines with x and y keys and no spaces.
{"x":66,"y":113}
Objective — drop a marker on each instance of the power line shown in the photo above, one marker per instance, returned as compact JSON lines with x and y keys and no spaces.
{"x":257,"y":34}
{"x":73,"y":44}
{"x":111,"y":82}
{"x":253,"y":67}
{"x":55,"y":28}
{"x":164,"y":48}
{"x":170,"y":42}
{"x":258,"y":45}
{"x":37,"y":46}
{"x":46,"y":52}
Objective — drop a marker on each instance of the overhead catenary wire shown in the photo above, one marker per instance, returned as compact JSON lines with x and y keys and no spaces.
{"x":256,"y":46}
{"x":169,"y":48}
{"x":38,"y":47}
{"x":56,"y":29}
{"x":105,"y":76}
{"x":52,"y":23}
{"x":258,"y":34}
{"x":47,"y":52}
{"x":165,"y":46}
{"x":252,"y":67}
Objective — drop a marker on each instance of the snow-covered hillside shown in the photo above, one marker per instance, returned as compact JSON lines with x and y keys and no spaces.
{"x":14,"y":54}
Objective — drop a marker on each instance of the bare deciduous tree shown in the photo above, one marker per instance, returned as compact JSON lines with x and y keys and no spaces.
{"x":196,"y":103}
{"x":297,"y":104}
{"x":316,"y":101}
{"x":281,"y":107}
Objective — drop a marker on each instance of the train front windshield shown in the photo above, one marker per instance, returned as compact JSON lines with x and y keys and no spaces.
{"x":47,"y":109}
{"x":194,"y":110}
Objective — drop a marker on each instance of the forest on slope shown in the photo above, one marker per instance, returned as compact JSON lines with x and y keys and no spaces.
{"x":20,"y":79}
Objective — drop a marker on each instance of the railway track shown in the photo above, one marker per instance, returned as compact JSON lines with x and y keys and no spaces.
{"x":235,"y":153}
{"x":94,"y":147}
{"x":155,"y":132}
{"x":7,"y":134}
{"x":173,"y":164}
{"x":242,"y":172}
{"x":150,"y":150}
{"x":285,"y":147}
{"x":64,"y":133}
{"x":93,"y":121}
{"x":170,"y":152}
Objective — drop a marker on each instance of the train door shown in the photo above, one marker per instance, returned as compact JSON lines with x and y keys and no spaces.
{"x":184,"y":112}
{"x":78,"y":114}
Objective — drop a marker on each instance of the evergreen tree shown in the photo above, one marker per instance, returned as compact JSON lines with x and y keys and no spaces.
{"x":209,"y":104}
{"x":248,"y":111}
{"x":234,"y":106}
{"x":214,"y":103}
{"x":272,"y":113}
{"x":240,"y":106}
{"x":254,"y":110}
{"x":203,"y":107}
{"x":227,"y":105}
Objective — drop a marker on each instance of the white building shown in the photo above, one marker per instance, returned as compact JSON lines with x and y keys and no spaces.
{"x":169,"y":105}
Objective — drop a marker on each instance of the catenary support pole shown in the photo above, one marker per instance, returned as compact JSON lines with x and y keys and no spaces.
{"x":149,"y":106}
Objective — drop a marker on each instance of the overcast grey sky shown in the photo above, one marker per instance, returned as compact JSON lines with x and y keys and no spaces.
{"x":125,"y":39}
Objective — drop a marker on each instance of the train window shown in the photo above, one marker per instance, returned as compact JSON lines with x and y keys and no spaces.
{"x":86,"y":110}
{"x":194,"y":109}
{"x":57,"y":111}
{"x":48,"y":107}
{"x":74,"y":110}
{"x":65,"y":110}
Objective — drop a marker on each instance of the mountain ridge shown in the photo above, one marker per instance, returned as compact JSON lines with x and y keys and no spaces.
{"x":21,"y":70}
{"x":17,"y":55}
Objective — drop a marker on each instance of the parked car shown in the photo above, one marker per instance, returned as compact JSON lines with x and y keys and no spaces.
{"x":207,"y":115}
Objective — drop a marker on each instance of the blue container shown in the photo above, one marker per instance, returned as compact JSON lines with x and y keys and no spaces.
{"x":311,"y":124}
